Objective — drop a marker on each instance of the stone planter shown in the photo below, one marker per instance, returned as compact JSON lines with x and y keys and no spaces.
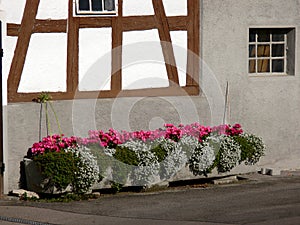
{"x":36,"y":182}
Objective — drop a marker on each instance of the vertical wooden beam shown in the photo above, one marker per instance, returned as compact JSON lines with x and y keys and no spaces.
{"x":193,"y":32}
{"x":166,"y":42}
{"x":24,"y":36}
{"x":72,"y":52}
{"x":117,"y":41}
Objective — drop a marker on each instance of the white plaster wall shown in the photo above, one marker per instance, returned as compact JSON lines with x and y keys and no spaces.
{"x":54,"y":9}
{"x":143,"y":60}
{"x":175,"y":9}
{"x":13,"y":10}
{"x":45,"y":65}
{"x":94,"y":59}
{"x":179,"y":41}
{"x":132,"y":8}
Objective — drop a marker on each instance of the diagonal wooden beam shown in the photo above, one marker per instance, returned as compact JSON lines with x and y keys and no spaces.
{"x":17,"y":65}
{"x":165,"y":38}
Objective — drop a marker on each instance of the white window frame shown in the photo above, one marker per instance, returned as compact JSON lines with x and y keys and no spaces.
{"x":91,"y":12}
{"x":270,"y":57}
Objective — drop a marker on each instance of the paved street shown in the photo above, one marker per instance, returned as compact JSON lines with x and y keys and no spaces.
{"x":261,"y":200}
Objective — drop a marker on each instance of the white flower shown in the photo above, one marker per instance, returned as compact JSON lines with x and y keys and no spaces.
{"x":202,"y":158}
{"x":230,"y":154}
{"x":174,"y":162}
{"x":88,"y":172}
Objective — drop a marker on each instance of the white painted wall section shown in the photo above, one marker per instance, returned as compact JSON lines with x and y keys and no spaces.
{"x":143,"y":61}
{"x":179,"y":42}
{"x":134,"y":7}
{"x":13,"y":10}
{"x":94,"y":59}
{"x":54,"y":9}
{"x":175,"y":9}
{"x":45,"y":66}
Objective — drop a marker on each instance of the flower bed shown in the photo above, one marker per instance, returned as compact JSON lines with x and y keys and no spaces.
{"x":146,"y":157}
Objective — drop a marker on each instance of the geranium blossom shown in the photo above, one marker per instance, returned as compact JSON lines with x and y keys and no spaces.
{"x":54,"y":143}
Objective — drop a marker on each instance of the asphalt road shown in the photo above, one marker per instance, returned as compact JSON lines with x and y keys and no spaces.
{"x":261,"y":200}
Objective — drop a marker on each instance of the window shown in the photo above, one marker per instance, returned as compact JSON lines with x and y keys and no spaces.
{"x":95,"y":7}
{"x":271,"y":51}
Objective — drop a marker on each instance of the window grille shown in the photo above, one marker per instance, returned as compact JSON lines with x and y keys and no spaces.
{"x":269,"y":51}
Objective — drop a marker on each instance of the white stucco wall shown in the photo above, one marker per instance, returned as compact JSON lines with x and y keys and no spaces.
{"x":267,"y":105}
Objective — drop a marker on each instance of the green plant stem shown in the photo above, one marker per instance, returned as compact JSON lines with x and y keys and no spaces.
{"x":40,"y":123}
{"x":56,"y":118}
{"x":47,"y":120}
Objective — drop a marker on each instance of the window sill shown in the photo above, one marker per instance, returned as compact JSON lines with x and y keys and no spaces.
{"x":270,"y":75}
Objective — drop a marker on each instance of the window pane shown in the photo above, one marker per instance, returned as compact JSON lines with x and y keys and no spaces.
{"x":109,"y":5}
{"x":263,"y":50}
{"x":278,"y":65}
{"x":277,"y":50}
{"x":97,"y":5}
{"x":252,"y":35}
{"x":252,"y":66}
{"x":263,"y":36}
{"x":252,"y":51}
{"x":277,"y":37}
{"x":84,"y":5}
{"x":263,"y":65}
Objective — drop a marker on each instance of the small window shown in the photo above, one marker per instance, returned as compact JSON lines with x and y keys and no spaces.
{"x":95,"y":7}
{"x":271,"y":51}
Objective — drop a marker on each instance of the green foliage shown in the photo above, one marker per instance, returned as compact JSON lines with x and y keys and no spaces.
{"x":75,"y":168}
{"x":58,"y":167}
{"x":252,"y":148}
{"x":160,"y":152}
{"x":116,"y":187}
{"x":43,"y":97}
{"x":126,"y":156}
{"x":246,"y":147}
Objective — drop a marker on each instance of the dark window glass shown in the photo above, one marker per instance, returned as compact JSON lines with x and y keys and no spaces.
{"x":277,"y":37}
{"x":96,"y":5}
{"x":277,"y":65}
{"x":252,"y":35}
{"x":109,"y":5}
{"x":277,"y":50}
{"x":263,"y":36}
{"x":84,"y":5}
{"x":252,"y":51}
